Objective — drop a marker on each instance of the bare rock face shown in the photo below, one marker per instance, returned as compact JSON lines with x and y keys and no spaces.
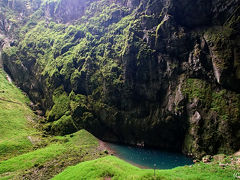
{"x":3,"y":23}
{"x":192,"y":13}
{"x":223,"y":43}
{"x":66,"y":11}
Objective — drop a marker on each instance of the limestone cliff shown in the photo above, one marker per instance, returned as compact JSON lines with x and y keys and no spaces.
{"x":160,"y":72}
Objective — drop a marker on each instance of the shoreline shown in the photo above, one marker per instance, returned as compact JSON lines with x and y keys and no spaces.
{"x":104,"y":146}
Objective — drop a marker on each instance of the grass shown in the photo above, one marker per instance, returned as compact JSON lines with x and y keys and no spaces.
{"x":115,"y":168}
{"x":16,"y":120}
{"x":80,"y":144}
{"x":28,"y":160}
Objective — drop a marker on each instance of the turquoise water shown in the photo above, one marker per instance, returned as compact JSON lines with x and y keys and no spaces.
{"x":146,"y":158}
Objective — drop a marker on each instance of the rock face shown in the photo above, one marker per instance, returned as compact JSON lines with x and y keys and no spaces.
{"x":159,"y":73}
{"x":65,"y":11}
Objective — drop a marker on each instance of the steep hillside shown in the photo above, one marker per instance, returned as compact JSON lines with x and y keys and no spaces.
{"x":16,"y":121}
{"x":162,"y":73}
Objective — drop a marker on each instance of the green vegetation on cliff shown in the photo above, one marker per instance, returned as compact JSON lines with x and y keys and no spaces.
{"x":220,"y":109}
{"x":77,"y":58}
{"x":137,"y":71}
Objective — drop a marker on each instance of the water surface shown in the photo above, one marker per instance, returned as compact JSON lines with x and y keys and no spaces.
{"x":146,"y":158}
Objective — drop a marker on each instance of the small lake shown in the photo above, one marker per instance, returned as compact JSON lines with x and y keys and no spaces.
{"x":146,"y":158}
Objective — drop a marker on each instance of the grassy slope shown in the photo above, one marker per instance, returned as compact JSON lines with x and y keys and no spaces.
{"x":63,"y":151}
{"x":16,"y":125}
{"x":115,"y":168}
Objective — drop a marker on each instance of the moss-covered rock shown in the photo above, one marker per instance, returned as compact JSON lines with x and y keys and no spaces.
{"x":64,"y":125}
{"x":211,"y":113}
{"x":224,"y":47}
{"x":61,"y":105}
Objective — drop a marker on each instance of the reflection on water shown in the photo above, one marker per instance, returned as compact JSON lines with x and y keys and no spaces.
{"x":148,"y":157}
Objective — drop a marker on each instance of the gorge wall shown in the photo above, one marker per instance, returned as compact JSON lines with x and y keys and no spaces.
{"x":165,"y":73}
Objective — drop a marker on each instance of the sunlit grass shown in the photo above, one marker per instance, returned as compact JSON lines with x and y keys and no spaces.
{"x":28,"y":160}
{"x":115,"y":168}
{"x":15,"y":120}
{"x":80,"y":142}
